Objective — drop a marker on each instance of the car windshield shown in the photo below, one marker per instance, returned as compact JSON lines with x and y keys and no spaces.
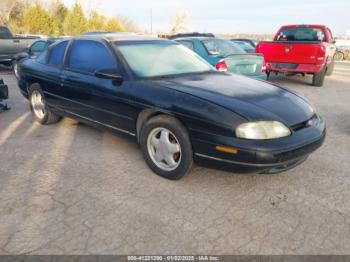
{"x":222,"y":47}
{"x":244,"y":45}
{"x":301,"y":34}
{"x":158,"y":58}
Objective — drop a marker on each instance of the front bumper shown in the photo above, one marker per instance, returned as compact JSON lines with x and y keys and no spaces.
{"x":265,"y":156}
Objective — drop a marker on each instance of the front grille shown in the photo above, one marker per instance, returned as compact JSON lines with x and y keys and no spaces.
{"x":305,"y":124}
{"x":284,"y":65}
{"x":302,"y":151}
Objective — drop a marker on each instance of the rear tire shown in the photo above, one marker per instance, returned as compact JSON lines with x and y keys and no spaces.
{"x":330,"y":68}
{"x":39,"y":107}
{"x":318,"y":78}
{"x":166,"y":147}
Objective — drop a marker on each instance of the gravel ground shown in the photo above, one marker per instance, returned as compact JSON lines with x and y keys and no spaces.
{"x":71,"y":189}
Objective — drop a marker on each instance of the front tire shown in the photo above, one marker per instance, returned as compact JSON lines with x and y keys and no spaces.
{"x":318,"y":78}
{"x":166,"y":147}
{"x":39,"y":107}
{"x":15,"y":68}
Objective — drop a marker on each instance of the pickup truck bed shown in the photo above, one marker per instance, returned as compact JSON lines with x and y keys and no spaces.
{"x":11,"y":45}
{"x":300,"y":49}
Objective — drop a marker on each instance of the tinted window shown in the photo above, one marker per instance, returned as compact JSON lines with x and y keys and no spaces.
{"x":38,"y":47}
{"x":161,"y":58}
{"x":57,"y":54}
{"x":244,"y":45}
{"x":301,"y":34}
{"x":90,"y":56}
{"x":5,"y":32}
{"x":188,"y":44}
{"x":222,"y":47}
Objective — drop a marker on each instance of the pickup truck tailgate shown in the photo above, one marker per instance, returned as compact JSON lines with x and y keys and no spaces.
{"x":290,"y":52}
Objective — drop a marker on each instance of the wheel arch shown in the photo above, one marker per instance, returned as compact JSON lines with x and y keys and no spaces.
{"x":149,"y":113}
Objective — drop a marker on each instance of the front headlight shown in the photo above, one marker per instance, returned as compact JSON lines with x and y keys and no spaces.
{"x":262,"y":130}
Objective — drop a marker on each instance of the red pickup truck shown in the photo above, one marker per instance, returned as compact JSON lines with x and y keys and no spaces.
{"x":300,"y":49}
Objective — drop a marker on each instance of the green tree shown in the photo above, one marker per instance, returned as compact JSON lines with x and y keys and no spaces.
{"x":16,"y":17}
{"x":75,"y":22}
{"x":59,"y":13}
{"x":114,"y":25}
{"x":36,"y":20}
{"x":96,"y":22}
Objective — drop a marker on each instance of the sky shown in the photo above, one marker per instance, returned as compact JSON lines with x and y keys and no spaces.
{"x":229,"y":16}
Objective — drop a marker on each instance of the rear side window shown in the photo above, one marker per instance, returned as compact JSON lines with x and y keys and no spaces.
{"x":188,"y":44}
{"x":90,"y":56}
{"x":5,"y":32}
{"x":221,"y":47}
{"x":57,"y":54}
{"x":301,"y":34}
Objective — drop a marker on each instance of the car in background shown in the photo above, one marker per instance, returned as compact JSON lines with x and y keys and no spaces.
{"x":251,"y":42}
{"x":176,"y":105}
{"x":300,"y":49}
{"x":193,"y":34}
{"x":245,"y":46}
{"x":342,"y":53}
{"x":226,"y":56}
{"x":33,"y":51}
{"x":95,"y":33}
{"x":10,"y":45}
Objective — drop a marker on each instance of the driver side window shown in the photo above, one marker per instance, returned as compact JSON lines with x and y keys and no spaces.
{"x":88,"y":56}
{"x":37,"y":47}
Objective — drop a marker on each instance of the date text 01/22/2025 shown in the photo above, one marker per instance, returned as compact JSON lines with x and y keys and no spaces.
{"x":173,"y":258}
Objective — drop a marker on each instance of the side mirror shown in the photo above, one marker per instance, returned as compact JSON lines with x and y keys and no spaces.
{"x":21,"y":56}
{"x":109,"y":75}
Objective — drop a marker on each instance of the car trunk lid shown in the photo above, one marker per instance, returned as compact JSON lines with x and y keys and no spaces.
{"x":244,"y":64}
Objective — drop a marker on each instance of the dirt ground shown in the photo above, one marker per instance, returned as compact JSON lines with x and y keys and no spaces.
{"x":71,"y":189}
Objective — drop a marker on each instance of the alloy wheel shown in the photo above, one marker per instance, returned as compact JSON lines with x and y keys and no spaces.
{"x":164,"y":149}
{"x":38,"y":104}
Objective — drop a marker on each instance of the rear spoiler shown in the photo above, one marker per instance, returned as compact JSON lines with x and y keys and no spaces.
{"x":255,"y":54}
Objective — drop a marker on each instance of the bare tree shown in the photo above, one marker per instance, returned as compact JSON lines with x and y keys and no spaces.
{"x":129,"y":25}
{"x":6,"y":7}
{"x":179,"y":21}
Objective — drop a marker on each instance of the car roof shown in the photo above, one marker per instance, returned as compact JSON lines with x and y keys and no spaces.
{"x":113,"y":37}
{"x":194,"y":38}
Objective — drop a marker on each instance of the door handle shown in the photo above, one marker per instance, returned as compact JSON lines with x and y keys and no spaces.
{"x":16,"y":40}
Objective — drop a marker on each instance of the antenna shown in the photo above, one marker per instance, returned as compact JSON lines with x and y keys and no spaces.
{"x":151,"y":20}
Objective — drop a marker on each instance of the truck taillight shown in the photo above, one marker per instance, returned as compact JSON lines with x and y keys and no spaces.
{"x":263,"y":66}
{"x":221,"y":66}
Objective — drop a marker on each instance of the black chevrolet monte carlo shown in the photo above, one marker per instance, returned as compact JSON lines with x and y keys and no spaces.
{"x":176,"y":105}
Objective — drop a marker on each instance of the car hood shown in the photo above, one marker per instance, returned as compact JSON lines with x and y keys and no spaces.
{"x":252,"y":99}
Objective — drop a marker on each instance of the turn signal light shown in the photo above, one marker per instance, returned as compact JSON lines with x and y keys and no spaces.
{"x":226,"y":149}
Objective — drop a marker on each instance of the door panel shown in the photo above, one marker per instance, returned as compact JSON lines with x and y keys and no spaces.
{"x":100,"y":100}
